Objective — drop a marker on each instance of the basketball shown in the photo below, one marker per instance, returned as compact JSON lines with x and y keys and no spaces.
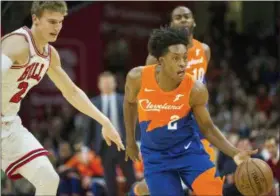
{"x":253,"y":177}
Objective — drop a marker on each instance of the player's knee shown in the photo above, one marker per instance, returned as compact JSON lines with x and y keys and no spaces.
{"x":52,"y":178}
{"x":46,"y":176}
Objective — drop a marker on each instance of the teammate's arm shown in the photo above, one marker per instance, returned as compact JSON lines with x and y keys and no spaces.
{"x":132,"y":87}
{"x":76,"y":97}
{"x":151,"y":60}
{"x":198,"y":101}
{"x":12,"y":55}
{"x":207,"y":51}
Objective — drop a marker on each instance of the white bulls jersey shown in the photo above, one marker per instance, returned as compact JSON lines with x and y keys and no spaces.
{"x":19,"y":79}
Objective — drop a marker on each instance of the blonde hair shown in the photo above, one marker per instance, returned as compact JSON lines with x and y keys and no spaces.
{"x":56,"y":6}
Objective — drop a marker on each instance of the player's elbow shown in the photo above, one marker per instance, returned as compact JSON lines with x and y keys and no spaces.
{"x":70,"y":92}
{"x":208,"y":128}
{"x":129,"y":101}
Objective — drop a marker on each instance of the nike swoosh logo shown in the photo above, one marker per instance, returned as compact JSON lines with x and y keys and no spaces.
{"x":186,"y":147}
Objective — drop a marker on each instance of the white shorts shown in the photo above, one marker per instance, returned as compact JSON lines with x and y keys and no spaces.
{"x":18,"y":147}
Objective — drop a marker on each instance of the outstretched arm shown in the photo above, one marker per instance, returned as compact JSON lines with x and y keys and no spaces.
{"x":76,"y":97}
{"x":132,"y":87}
{"x":198,"y":101}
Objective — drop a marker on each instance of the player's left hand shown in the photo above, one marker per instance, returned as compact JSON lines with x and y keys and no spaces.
{"x":243,"y":156}
{"x":110,"y":134}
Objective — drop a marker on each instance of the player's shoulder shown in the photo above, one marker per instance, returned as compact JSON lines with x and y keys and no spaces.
{"x":202,"y":44}
{"x":53,"y":50}
{"x":55,"y":59}
{"x":18,"y":40}
{"x":16,"y":47}
{"x":204,"y":47}
{"x":199,"y":93}
{"x":135,"y":73}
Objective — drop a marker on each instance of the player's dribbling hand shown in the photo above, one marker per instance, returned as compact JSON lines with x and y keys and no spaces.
{"x":132,"y":152}
{"x":110,"y":135}
{"x":243,"y":156}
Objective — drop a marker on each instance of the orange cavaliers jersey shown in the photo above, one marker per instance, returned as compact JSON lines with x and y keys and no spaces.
{"x":197,"y":61}
{"x":165,"y":118}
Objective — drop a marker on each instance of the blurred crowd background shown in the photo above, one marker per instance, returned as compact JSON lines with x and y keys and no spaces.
{"x":101,"y":41}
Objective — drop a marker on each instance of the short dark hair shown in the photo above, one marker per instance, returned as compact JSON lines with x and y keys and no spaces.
{"x":162,"y":38}
{"x":170,"y":14}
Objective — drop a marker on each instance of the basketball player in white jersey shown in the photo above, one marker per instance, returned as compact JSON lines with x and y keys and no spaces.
{"x":26,"y":57}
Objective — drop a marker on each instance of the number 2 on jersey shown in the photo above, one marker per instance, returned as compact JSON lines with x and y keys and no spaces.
{"x":172,"y":125}
{"x":198,"y":74}
{"x":23,"y":86}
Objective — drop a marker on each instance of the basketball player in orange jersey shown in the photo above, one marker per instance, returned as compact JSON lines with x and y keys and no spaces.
{"x":198,"y":57}
{"x":26,"y":57}
{"x":167,"y":100}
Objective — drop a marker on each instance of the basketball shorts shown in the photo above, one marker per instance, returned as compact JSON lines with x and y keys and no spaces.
{"x":196,"y":171}
{"x":209,"y":149}
{"x":18,"y":147}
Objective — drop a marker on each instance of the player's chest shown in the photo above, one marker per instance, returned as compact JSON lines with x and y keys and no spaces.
{"x":153,"y":102}
{"x":33,"y":72}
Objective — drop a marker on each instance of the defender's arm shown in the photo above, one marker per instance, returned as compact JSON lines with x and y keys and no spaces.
{"x":75,"y":96}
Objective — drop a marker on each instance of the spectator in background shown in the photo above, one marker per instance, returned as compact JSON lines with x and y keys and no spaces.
{"x":69,"y":179}
{"x":263,"y":102}
{"x":111,"y":104}
{"x":272,"y":145}
{"x":89,"y":178}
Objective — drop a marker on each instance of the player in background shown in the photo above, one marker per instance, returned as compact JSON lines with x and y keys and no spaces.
{"x":26,"y":57}
{"x":170,"y":146}
{"x":198,"y":56}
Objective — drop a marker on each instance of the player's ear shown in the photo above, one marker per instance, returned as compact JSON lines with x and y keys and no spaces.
{"x":161,"y":60}
{"x":35,"y":19}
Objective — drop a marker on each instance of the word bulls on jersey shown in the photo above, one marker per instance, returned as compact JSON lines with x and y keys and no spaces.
{"x":31,"y":72}
{"x":19,"y":79}
{"x":164,"y":116}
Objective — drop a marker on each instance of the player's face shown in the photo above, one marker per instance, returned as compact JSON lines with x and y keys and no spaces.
{"x":272,"y":147}
{"x":49,"y":24}
{"x":174,"y":62}
{"x":182,"y":17}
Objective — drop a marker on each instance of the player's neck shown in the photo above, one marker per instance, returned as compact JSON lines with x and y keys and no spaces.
{"x":191,"y":41}
{"x":165,"y":82}
{"x":40,"y":42}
